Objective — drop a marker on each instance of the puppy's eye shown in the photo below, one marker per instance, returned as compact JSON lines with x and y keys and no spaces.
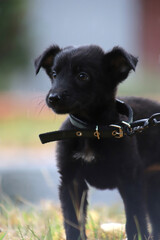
{"x":54,"y":74}
{"x":82,"y":76}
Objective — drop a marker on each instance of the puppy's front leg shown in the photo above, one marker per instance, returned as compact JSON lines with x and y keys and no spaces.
{"x":132,"y":193}
{"x":73,"y":196}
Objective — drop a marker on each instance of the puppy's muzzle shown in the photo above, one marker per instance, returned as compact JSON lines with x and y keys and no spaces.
{"x":54,"y":98}
{"x":58,"y":98}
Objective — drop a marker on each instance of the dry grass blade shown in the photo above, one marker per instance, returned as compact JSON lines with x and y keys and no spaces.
{"x":45,"y":222}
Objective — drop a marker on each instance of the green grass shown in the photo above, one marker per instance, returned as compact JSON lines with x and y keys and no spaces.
{"x":45,"y":222}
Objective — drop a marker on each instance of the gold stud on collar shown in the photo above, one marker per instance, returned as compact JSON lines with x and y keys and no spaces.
{"x":78,"y":134}
{"x":97,"y":133}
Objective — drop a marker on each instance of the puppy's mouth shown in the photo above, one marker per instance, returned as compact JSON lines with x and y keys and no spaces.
{"x":63,"y":107}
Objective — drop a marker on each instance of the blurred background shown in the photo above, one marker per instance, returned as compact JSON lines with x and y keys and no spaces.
{"x":27,"y":28}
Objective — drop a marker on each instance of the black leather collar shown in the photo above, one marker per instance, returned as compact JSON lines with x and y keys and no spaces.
{"x":85,"y":130}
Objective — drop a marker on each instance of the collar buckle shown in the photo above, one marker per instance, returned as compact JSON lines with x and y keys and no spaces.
{"x":97,"y":133}
{"x":118,"y":133}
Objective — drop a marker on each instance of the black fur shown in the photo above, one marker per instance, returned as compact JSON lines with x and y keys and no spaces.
{"x":84,"y":82}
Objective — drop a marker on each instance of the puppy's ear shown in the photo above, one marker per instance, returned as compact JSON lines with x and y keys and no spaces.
{"x":45,"y":60}
{"x":118,"y":63}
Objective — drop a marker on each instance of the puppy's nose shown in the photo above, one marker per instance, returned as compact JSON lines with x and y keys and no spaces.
{"x":54,"y":98}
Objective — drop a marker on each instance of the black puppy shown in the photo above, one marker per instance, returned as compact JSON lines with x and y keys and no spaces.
{"x":84,"y":81}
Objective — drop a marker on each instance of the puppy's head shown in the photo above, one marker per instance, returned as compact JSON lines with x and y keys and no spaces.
{"x":83,"y":77}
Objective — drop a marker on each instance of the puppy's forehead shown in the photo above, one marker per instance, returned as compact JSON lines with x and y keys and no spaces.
{"x":80,"y":55}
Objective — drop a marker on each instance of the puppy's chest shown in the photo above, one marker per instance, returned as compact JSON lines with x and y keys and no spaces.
{"x":86,"y":152}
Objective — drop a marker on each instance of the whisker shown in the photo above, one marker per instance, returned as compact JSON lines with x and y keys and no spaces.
{"x":42,"y":108}
{"x":36,"y":101}
{"x":40,"y":102}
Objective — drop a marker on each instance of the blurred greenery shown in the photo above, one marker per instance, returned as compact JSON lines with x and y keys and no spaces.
{"x":14,"y":40}
{"x":22,"y":131}
{"x":144,"y":83}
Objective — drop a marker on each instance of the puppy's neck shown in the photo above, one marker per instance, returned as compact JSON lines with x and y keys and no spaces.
{"x":101,"y":115}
